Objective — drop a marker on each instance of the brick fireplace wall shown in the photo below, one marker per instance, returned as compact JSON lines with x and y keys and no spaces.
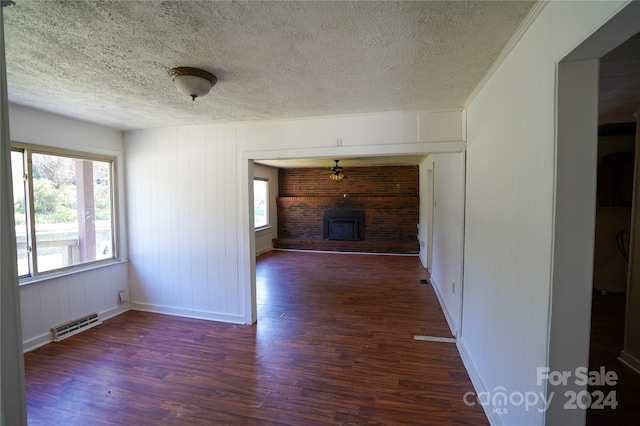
{"x":389,"y":196}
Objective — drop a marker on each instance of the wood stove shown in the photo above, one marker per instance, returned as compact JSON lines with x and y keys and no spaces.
{"x":346,"y":225}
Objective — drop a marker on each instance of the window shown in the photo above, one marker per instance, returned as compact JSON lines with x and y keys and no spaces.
{"x":63,"y":209}
{"x":260,"y":203}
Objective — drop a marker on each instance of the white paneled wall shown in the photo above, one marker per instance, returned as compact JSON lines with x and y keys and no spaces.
{"x":49,"y":302}
{"x":183,"y":240}
{"x":188,"y":204}
{"x":448,"y":231}
{"x":510,"y":210}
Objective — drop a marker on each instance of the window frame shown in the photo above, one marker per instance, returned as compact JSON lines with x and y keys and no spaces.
{"x":27,"y":150}
{"x":266,"y":209}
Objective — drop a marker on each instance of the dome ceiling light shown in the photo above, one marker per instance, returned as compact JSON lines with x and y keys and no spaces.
{"x":192,"y":82}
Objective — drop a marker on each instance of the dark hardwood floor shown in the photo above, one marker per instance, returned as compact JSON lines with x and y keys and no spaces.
{"x":333,"y":346}
{"x":607,"y":339}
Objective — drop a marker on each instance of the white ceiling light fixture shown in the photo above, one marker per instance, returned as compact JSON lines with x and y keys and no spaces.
{"x":192,"y":82}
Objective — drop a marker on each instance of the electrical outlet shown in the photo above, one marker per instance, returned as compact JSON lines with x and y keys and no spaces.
{"x":122,"y":296}
{"x":338,"y":142}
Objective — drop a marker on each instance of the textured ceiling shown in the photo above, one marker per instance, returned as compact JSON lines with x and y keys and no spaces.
{"x":619,"y":91}
{"x":107,"y":61}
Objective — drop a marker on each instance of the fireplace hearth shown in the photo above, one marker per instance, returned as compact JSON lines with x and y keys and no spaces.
{"x":343,"y":225}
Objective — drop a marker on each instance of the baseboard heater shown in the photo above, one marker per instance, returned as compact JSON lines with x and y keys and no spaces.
{"x":70,"y":328}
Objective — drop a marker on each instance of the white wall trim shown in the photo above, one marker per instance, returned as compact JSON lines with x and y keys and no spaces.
{"x":618,"y":27}
{"x":356,"y":151}
{"x":464,"y":235}
{"x":266,"y":250}
{"x":87,"y":267}
{"x":573,"y":227}
{"x":447,"y":315}
{"x":188,"y":313}
{"x":114,"y":312}
{"x":36,"y":342}
{"x":478,"y":384}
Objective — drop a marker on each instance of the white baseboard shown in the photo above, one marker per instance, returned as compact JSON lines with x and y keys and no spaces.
{"x":43,"y":339}
{"x":263,"y":251}
{"x":188,"y":313}
{"x":36,"y":342}
{"x":478,"y":385}
{"x":105,"y":315}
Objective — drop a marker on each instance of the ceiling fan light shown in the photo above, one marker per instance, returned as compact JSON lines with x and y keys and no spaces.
{"x":336,"y":172}
{"x":192,"y":82}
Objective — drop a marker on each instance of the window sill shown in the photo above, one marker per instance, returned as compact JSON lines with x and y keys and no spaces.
{"x":70,"y":271}
{"x":264,"y":228}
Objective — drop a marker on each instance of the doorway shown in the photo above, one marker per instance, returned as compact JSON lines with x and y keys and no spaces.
{"x":247,"y":174}
{"x":575,"y":201}
{"x":615,"y":206}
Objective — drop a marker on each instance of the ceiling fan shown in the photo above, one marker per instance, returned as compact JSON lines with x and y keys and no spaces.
{"x":336,"y":172}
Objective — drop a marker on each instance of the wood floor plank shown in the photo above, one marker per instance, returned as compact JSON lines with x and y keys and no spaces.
{"x":333,"y":346}
{"x":607,"y":340}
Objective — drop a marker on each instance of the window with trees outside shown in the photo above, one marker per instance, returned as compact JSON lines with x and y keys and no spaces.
{"x":260,"y":203}
{"x":63,"y":206}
